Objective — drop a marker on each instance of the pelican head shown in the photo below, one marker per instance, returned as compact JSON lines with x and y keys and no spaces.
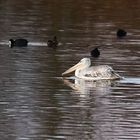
{"x":84,"y":63}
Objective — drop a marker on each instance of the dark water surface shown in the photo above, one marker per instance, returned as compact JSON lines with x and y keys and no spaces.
{"x":36,"y":103}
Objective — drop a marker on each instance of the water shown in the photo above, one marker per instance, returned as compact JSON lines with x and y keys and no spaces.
{"x":36,"y":103}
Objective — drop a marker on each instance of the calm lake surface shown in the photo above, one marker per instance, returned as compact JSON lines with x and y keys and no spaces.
{"x":36,"y":103}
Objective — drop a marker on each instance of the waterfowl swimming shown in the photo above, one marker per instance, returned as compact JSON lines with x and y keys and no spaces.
{"x":84,"y":71}
{"x":121,"y":33}
{"x":18,"y":43}
{"x":52,"y":43}
{"x":95,"y":52}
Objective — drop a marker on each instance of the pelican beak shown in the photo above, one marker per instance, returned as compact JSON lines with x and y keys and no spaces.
{"x":78,"y":65}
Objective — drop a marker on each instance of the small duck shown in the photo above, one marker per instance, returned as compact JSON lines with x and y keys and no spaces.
{"x":52,"y":43}
{"x":121,"y":33}
{"x":95,"y":52}
{"x":18,"y":43}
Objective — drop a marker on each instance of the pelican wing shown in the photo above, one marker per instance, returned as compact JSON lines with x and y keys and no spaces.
{"x":100,"y":72}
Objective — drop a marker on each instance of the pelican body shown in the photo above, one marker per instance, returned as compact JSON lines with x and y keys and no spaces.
{"x":84,"y":71}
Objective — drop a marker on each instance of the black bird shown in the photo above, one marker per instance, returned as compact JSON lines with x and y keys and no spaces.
{"x":18,"y":43}
{"x":95,"y":52}
{"x":121,"y":33}
{"x":52,"y":43}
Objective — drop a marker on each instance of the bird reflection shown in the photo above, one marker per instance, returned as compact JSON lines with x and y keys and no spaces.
{"x":85,"y":87}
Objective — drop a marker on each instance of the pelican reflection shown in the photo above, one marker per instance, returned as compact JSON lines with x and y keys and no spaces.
{"x":86,"y":87}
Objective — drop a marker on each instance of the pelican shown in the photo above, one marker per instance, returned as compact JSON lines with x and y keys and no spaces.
{"x":84,"y":71}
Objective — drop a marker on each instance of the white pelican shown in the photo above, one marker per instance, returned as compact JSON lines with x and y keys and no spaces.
{"x":84,"y":71}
